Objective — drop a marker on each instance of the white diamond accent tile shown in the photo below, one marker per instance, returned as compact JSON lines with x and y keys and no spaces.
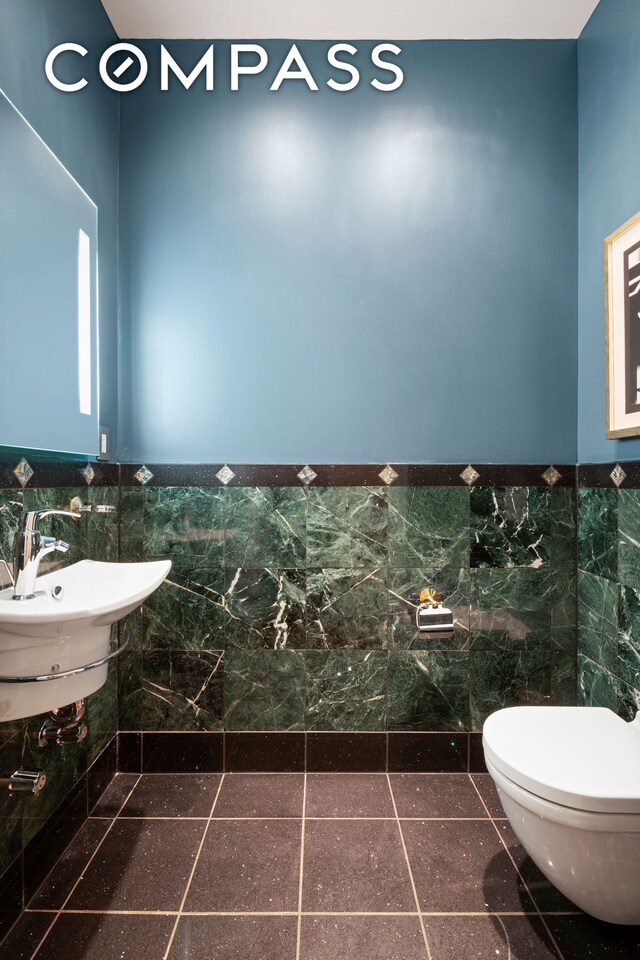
{"x":23,"y":472}
{"x":307,"y":475}
{"x":618,"y":475}
{"x":551,"y":476}
{"x":143,"y":475}
{"x":388,"y":475}
{"x":89,"y":474}
{"x":225,"y":474}
{"x":469,"y":475}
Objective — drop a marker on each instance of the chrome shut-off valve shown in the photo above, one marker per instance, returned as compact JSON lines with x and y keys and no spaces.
{"x":64,"y":725}
{"x":24,"y":782}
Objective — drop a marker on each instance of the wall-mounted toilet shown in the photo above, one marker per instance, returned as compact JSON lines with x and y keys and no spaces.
{"x":569,"y":782}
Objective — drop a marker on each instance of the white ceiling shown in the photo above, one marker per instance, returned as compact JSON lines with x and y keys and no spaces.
{"x":350,"y":19}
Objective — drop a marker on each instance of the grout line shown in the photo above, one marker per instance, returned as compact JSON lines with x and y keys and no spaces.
{"x":299,"y":773}
{"x":82,"y":873}
{"x":193,"y":870}
{"x":413,"y":884}
{"x":259,"y":819}
{"x":304,"y":811}
{"x":522,"y":879}
{"x":307,"y":913}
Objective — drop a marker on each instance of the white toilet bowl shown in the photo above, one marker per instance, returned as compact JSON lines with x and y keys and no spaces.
{"x":569,"y":782}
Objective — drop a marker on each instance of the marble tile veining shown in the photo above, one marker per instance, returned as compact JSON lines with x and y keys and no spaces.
{"x":265,"y":608}
{"x":346,"y":690}
{"x":510,"y":527}
{"x":428,"y":526}
{"x":598,"y":532}
{"x":428,"y":690}
{"x":264,"y":690}
{"x":346,"y":609}
{"x":346,"y":527}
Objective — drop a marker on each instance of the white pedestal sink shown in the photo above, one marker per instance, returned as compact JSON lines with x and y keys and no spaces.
{"x":65,"y":627}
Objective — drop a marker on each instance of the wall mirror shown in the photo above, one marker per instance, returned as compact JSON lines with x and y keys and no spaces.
{"x":48,"y":297}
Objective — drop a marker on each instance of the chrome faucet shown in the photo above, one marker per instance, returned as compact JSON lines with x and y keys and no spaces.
{"x":30,"y":546}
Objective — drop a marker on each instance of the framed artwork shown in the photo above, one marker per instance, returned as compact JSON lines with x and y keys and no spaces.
{"x":622,"y":285}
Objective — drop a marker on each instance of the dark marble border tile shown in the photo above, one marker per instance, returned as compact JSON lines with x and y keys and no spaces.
{"x":101,"y":772}
{"x":523,"y":475}
{"x":346,"y":752}
{"x":10,"y":896}
{"x":345,"y":475}
{"x":52,"y":472}
{"x":326,"y":752}
{"x":599,"y":474}
{"x":48,"y":845}
{"x":129,"y":753}
{"x":182,"y":752}
{"x":264,"y":752}
{"x":428,"y":752}
{"x":476,"y":754}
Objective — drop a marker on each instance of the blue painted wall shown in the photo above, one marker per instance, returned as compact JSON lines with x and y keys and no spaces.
{"x":82,"y":130}
{"x":609,"y":81}
{"x":357,"y":276}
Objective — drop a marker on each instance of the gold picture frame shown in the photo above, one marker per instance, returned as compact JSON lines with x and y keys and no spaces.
{"x":622,"y":292}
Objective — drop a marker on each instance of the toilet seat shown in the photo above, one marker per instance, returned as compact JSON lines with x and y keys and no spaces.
{"x":585,"y":758}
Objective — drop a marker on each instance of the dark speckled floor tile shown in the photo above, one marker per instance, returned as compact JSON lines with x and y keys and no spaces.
{"x":115,"y":795}
{"x":585,"y":938}
{"x":461,"y":866}
{"x":355,"y":865}
{"x":67,"y":870}
{"x":260,"y":795}
{"x":345,"y":795}
{"x":25,"y":936}
{"x":489,"y":794}
{"x":248,"y":865}
{"x":546,"y":896}
{"x":142,"y":865}
{"x":107,"y":938}
{"x":376,"y":938}
{"x":172,"y":795}
{"x":436,"y":795}
{"x":488,"y":938}
{"x":250,"y":938}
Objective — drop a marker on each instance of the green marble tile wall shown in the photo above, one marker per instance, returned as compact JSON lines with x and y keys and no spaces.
{"x":292,"y":608}
{"x":609,"y":599}
{"x":96,"y":537}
